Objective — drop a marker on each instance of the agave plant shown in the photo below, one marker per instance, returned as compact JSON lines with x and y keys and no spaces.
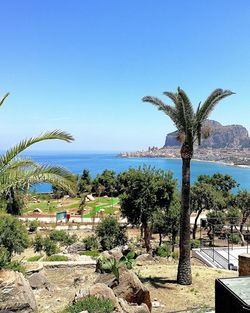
{"x":19,"y":174}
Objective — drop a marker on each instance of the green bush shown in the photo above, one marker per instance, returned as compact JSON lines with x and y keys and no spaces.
{"x":33,"y":226}
{"x":92,"y":305}
{"x":13,"y":234}
{"x":57,"y":258}
{"x":50,"y":247}
{"x":15,"y":266}
{"x":4,"y":256}
{"x":195,"y":243}
{"x":34,"y":258}
{"x":90,"y":243}
{"x":234,"y":238}
{"x":93,"y":253}
{"x":163,"y":251}
{"x":63,"y":237}
{"x":110,"y":233}
{"x":38,"y":243}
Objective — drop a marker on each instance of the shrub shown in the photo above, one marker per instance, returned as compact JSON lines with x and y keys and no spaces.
{"x":4,"y":256}
{"x":234,"y":238}
{"x":14,"y":236}
{"x":93,"y":253}
{"x":63,"y":237}
{"x":57,"y":258}
{"x":15,"y":266}
{"x":34,"y":258}
{"x":110,"y":233}
{"x":163,"y":251}
{"x":195,"y":243}
{"x":38,"y":243}
{"x":92,"y":305}
{"x":50,"y":247}
{"x":90,"y":243}
{"x":33,"y":226}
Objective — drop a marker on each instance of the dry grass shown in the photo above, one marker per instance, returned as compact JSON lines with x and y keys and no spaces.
{"x":160,"y":279}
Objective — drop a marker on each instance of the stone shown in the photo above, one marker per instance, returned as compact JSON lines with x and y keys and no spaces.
{"x":141,"y":259}
{"x":102,"y":291}
{"x":38,"y":281}
{"x":132,"y":307}
{"x":76,"y":247}
{"x":15,"y":293}
{"x":131,"y":289}
{"x":80,"y":294}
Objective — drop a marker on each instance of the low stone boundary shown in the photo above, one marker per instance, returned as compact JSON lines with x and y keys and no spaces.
{"x":244,"y":264}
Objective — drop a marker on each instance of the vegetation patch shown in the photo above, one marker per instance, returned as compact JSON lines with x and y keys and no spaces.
{"x":34,"y":258}
{"x":92,"y":305}
{"x":55,"y":258}
{"x":92,"y":253}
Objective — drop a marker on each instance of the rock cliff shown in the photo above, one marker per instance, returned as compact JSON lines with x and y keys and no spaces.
{"x":229,"y":136}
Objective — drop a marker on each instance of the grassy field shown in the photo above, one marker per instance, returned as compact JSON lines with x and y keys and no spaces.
{"x":110,"y":206}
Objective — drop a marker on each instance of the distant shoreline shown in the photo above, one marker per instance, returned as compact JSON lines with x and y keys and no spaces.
{"x":195,"y":160}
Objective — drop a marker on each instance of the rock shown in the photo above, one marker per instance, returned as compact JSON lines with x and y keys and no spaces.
{"x":141,"y":259}
{"x":31,"y":268}
{"x":131,"y":289}
{"x":90,"y":197}
{"x":80,"y":294}
{"x":132,"y":307}
{"x":38,"y":281}
{"x":37,"y":210}
{"x":102,"y":291}
{"x":15,"y":293}
{"x":76,"y":247}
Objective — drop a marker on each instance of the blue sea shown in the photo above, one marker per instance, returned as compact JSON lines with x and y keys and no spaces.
{"x":97,"y":162}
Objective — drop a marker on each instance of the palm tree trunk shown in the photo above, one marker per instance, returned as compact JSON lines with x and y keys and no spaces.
{"x":184,"y":276}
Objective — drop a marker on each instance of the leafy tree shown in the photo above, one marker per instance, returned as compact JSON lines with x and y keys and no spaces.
{"x":145,"y":190}
{"x":216,"y":221}
{"x":105,"y":184}
{"x":17,"y":174}
{"x":58,"y":192}
{"x":84,"y":184}
{"x":220,"y":182}
{"x":205,"y":197}
{"x":190,"y":130}
{"x":4,"y":256}
{"x":110,"y":233}
{"x":13,"y":235}
{"x":166,"y":222}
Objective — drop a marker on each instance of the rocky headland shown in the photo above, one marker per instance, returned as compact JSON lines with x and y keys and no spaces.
{"x":227,"y":144}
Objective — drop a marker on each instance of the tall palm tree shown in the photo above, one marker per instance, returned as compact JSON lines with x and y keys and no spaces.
{"x":18,"y":174}
{"x":189,"y":125}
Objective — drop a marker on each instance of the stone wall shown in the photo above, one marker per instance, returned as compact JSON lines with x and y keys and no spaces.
{"x":244,"y":264}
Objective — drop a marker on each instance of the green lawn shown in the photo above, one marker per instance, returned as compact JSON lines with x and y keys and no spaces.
{"x":92,"y":206}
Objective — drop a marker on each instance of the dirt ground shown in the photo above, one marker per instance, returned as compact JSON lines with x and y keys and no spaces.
{"x":160,"y":279}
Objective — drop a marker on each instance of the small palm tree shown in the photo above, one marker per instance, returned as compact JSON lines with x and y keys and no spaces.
{"x":18,"y":174}
{"x":189,"y":125}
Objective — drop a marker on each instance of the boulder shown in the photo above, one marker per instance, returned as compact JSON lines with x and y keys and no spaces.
{"x":76,"y":247}
{"x":132,"y":307}
{"x":102,"y":291}
{"x":15,"y":293}
{"x":38,"y":281}
{"x":141,"y":259}
{"x":131,"y":289}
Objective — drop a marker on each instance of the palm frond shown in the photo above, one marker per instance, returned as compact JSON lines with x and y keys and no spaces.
{"x":210,"y":103}
{"x":3,"y":98}
{"x":13,"y":152}
{"x":167,"y":109}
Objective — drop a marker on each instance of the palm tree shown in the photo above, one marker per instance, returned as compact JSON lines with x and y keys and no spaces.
{"x":18,"y":174}
{"x":189,"y":125}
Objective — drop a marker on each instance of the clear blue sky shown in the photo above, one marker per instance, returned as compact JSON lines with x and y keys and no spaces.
{"x":83,"y":66}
